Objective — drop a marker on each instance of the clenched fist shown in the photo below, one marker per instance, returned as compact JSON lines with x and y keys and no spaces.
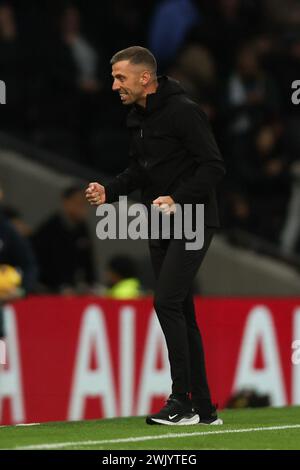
{"x":95,"y":194}
{"x":165,"y":204}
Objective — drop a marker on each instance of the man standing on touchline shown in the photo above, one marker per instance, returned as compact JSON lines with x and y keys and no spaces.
{"x":174,"y":159}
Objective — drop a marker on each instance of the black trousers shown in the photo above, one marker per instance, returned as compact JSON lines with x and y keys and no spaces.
{"x":175,"y":269}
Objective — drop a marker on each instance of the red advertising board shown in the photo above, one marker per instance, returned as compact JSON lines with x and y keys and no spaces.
{"x":83,"y":358}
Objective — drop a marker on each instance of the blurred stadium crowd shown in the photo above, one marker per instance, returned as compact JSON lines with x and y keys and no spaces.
{"x":236,"y":58}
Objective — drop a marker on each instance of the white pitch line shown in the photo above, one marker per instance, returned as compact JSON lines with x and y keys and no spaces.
{"x":28,"y":424}
{"x":20,"y":425}
{"x":61,"y":445}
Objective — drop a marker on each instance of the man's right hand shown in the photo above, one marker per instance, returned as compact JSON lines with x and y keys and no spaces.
{"x":95,"y":194}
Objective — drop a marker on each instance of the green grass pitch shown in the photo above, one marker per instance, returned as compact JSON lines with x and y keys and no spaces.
{"x":260,"y":428}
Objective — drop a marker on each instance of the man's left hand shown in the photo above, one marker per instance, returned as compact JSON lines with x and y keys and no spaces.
{"x":165,"y":204}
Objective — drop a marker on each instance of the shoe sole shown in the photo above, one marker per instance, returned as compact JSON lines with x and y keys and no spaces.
{"x":183,"y":422}
{"x":216,"y":422}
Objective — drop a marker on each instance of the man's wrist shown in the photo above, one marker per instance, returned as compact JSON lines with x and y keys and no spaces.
{"x":112,"y":191}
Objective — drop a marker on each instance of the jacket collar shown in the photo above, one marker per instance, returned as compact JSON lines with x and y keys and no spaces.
{"x":154,"y":101}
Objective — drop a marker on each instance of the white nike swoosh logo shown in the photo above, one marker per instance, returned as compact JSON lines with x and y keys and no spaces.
{"x":172,"y":417}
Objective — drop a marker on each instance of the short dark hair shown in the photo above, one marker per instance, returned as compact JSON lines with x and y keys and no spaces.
{"x":136,"y":55}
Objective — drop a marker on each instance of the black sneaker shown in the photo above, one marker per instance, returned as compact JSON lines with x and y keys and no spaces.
{"x":175,"y":412}
{"x":211,"y":418}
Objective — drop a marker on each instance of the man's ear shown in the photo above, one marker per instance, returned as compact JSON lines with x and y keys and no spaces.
{"x":145,"y":78}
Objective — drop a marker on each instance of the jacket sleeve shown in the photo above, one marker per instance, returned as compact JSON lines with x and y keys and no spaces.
{"x":126,"y":182}
{"x":192,"y":127}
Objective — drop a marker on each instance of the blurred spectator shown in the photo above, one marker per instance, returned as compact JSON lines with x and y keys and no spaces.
{"x":15,"y":218}
{"x":63,"y":247}
{"x":266,"y":44}
{"x":250,"y":97}
{"x":195,"y":69}
{"x":237,"y":212}
{"x":284,"y":13}
{"x":15,"y":251}
{"x":227,"y":24}
{"x":286,"y":69}
{"x":171,"y":21}
{"x":12,"y":72}
{"x":71,"y":91}
{"x":290,"y":236}
{"x":84,"y":55}
{"x":260,"y":174}
{"x":122,"y":279}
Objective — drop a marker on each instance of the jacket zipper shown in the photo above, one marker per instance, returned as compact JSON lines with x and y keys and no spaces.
{"x":145,"y":163}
